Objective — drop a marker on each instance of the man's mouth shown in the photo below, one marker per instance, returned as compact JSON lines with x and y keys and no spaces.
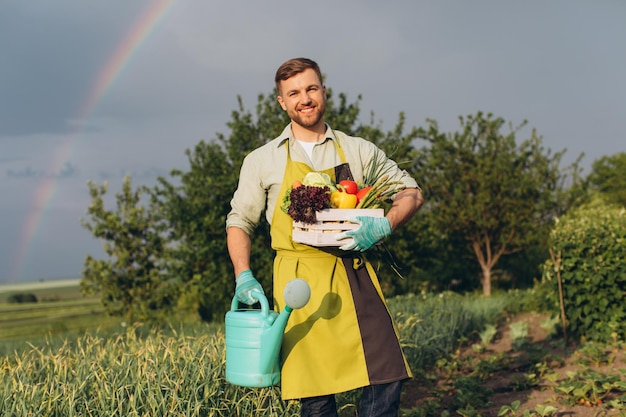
{"x":307,"y":110}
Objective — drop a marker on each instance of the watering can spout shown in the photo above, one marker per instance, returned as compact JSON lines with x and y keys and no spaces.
{"x":297,"y":293}
{"x":271,"y":340}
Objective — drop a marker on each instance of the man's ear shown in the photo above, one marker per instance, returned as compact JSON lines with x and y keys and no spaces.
{"x":282,"y":103}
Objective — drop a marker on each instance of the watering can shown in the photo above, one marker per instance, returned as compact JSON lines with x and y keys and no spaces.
{"x":253,"y":337}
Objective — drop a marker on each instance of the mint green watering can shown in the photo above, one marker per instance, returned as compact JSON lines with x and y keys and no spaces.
{"x":253,"y":337}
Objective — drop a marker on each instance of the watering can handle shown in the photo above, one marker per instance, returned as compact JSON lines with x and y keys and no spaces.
{"x":265,"y":307}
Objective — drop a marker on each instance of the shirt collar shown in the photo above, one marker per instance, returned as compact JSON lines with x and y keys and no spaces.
{"x":287,"y":134}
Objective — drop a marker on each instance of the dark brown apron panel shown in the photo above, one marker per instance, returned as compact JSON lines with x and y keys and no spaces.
{"x":383,"y":355}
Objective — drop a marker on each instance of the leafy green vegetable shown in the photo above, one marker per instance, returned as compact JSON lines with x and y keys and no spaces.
{"x":319,"y":179}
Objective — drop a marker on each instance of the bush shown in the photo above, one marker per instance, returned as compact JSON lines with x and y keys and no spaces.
{"x":19,"y":298}
{"x":588,"y":247}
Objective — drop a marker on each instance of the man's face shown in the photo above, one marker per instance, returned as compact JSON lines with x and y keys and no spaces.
{"x":303,"y":97}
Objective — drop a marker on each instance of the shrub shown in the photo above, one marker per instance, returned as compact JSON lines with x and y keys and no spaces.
{"x":19,"y":298}
{"x":588,"y":250}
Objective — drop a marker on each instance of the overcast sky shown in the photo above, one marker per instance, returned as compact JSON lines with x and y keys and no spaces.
{"x":65,"y":120}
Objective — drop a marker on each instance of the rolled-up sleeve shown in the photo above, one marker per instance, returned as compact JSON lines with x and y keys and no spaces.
{"x":249,"y":199}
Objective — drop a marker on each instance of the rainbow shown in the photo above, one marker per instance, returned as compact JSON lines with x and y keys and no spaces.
{"x":143,"y":27}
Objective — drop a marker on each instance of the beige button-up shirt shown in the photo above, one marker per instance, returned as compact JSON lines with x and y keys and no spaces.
{"x":262,"y":172}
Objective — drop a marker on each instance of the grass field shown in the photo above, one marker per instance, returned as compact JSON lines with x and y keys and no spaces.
{"x":62,"y":356}
{"x":179,"y":370}
{"x":60,"y":309}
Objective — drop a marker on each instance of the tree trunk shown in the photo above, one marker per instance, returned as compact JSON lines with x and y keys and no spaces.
{"x":486,"y":261}
{"x":486,"y":281}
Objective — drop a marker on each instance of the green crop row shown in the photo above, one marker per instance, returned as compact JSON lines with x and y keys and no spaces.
{"x":144,"y":372}
{"x":432,"y":325}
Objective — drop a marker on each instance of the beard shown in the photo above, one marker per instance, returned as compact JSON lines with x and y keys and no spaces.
{"x":309,"y":120}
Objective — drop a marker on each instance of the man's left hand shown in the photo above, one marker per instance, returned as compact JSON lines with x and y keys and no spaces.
{"x":370,"y":231}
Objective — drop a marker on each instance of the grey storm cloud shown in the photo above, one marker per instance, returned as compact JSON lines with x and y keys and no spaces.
{"x":5,"y":160}
{"x":135,"y":174}
{"x":559,"y":65}
{"x":66,"y":171}
{"x":27,"y":172}
{"x":47,"y":66}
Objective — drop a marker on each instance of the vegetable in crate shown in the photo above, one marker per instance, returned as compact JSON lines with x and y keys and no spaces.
{"x":343,"y":200}
{"x":349,"y":186}
{"x":319,"y":179}
{"x":377,"y":185}
{"x":301,"y":203}
{"x":317,"y":191}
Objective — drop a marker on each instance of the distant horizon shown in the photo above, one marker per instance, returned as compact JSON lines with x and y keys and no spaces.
{"x":40,"y":284}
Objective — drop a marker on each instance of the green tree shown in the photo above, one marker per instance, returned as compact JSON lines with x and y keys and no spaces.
{"x":131,"y":281}
{"x":195,"y":203}
{"x":608,"y":177}
{"x":488,"y":192}
{"x":193,"y":210}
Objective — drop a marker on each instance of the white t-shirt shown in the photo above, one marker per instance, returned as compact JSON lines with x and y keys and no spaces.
{"x":308,"y":147}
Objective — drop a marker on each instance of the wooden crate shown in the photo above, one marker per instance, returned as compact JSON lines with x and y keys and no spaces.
{"x":330,"y":222}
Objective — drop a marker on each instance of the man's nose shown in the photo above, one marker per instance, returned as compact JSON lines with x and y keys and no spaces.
{"x":306,"y":98}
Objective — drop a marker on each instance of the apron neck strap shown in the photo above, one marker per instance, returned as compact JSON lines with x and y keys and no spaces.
{"x":336,"y":143}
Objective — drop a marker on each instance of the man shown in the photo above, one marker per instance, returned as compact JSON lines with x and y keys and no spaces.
{"x":344,"y":338}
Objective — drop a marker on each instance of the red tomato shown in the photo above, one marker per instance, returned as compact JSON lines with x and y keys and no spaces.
{"x":349,"y":186}
{"x":362,"y":193}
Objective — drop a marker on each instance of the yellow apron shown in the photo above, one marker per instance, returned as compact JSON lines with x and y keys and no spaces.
{"x":344,"y":338}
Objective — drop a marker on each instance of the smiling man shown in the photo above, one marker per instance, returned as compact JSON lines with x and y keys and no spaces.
{"x":344,"y":338}
{"x":303,"y":97}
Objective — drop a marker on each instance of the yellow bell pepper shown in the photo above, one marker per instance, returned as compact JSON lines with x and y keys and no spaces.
{"x":343,"y":200}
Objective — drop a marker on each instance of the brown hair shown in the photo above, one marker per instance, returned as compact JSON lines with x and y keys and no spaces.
{"x":293,"y":67}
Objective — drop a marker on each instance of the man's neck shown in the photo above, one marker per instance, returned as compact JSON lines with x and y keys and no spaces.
{"x":313,"y":134}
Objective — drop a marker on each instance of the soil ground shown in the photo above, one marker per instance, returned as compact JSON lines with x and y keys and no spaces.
{"x":513,"y":365}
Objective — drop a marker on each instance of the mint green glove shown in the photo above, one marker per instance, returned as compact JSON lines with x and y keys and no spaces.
{"x":372,"y":230}
{"x":246,"y":284}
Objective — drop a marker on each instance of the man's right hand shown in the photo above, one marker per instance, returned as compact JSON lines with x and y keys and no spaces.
{"x":245,"y":284}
